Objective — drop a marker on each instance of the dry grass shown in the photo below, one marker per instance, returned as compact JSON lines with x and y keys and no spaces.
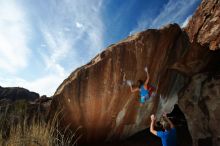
{"x":38,"y":133}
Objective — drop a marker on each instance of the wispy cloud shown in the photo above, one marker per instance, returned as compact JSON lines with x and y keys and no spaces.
{"x":72,"y":26}
{"x":79,"y":25}
{"x":14,"y":32}
{"x":69,"y":34}
{"x":77,"y":45}
{"x":45,"y":85}
{"x":174,"y":11}
{"x":184,"y":24}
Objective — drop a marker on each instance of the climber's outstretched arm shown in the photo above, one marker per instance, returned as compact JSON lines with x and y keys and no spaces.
{"x":148,"y":77}
{"x":134,"y":89}
{"x":153,"y":120}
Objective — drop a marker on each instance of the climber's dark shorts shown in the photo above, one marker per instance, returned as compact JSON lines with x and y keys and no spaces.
{"x":144,"y":98}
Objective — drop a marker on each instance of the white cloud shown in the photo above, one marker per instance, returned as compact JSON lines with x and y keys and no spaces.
{"x":79,"y":25}
{"x":14,"y":51}
{"x":58,"y":45}
{"x":86,"y":33}
{"x":184,"y":24}
{"x":67,"y":29}
{"x":53,"y":67}
{"x":63,"y":46}
{"x":172,"y":12}
{"x":65,"y":32}
{"x":45,"y":85}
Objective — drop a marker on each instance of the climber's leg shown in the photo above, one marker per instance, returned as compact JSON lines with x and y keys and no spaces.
{"x":142,"y":100}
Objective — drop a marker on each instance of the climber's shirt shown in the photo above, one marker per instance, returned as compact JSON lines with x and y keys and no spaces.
{"x":168,"y":137}
{"x":144,"y":94}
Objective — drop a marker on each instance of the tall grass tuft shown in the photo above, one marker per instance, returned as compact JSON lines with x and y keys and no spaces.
{"x":37,"y":134}
{"x":21,"y":131}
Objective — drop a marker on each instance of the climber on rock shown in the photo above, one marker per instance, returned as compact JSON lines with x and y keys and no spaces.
{"x":145,"y":90}
{"x":168,"y":136}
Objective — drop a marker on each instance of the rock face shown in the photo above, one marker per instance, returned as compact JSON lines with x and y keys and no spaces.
{"x":16,"y":93}
{"x":204,"y":27}
{"x":200,"y":98}
{"x":97,"y":98}
{"x":184,"y":66}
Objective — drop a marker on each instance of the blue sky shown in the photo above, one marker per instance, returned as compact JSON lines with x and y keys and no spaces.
{"x":42,"y":42}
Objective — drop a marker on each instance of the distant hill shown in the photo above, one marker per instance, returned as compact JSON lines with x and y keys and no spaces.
{"x":17,"y":93}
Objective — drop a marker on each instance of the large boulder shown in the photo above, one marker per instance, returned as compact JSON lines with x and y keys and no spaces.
{"x":97,"y":98}
{"x":183,"y":64}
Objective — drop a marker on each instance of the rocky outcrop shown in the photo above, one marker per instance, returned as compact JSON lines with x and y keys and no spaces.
{"x":96,"y":96}
{"x":201,"y":104}
{"x":184,"y":66}
{"x":200,"y":98}
{"x":204,"y":27}
{"x":21,"y":112}
{"x":17,"y":93}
